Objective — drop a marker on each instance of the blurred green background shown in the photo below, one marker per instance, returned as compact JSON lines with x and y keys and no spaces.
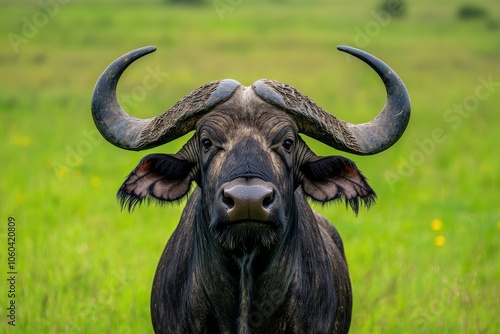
{"x":425,"y":259}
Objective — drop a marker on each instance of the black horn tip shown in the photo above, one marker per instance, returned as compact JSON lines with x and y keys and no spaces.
{"x":119,"y":65}
{"x":386,"y":129}
{"x":375,"y":63}
{"x":353,"y":51}
{"x":350,"y":50}
{"x":124,"y":61}
{"x":109,"y":117}
{"x":141,"y":51}
{"x":144,"y":50}
{"x":345,"y":48}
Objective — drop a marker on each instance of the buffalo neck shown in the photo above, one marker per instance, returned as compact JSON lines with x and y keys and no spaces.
{"x":254,"y":284}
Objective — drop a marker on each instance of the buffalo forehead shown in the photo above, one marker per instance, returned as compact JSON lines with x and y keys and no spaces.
{"x":246,"y":110}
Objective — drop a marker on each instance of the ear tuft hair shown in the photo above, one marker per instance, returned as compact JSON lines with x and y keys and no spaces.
{"x":337,"y":178}
{"x":159,"y":177}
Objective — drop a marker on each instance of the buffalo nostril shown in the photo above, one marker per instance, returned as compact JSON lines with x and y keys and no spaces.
{"x":228,"y":201}
{"x":268,"y":201}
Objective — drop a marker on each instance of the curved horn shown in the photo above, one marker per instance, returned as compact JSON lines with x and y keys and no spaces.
{"x":363,"y":139}
{"x":131,"y":133}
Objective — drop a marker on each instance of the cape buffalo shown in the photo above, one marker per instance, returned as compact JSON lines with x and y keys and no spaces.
{"x":249,"y":255}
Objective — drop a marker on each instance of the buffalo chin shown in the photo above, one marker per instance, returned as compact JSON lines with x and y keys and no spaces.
{"x":248,"y":235}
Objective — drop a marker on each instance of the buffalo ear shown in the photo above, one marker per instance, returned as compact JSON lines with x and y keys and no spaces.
{"x":336,"y":178}
{"x":163,"y":177}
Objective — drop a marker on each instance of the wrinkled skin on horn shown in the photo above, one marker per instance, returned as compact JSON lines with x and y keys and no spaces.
{"x":132,"y":133}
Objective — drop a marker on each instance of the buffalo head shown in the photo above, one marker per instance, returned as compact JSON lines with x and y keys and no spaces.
{"x":246,"y":154}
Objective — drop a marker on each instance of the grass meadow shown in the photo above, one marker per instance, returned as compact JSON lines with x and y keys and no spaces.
{"x":424,"y":259}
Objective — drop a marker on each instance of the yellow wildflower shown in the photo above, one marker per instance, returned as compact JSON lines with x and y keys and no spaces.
{"x":439,"y":240}
{"x":95,"y":181}
{"x":20,"y":140}
{"x":62,"y":172}
{"x":436,"y":224}
{"x":19,"y":198}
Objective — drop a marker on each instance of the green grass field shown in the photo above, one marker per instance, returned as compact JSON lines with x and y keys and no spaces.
{"x":424,"y":259}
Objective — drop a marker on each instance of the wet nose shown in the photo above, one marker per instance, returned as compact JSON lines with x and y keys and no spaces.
{"x":248,"y":202}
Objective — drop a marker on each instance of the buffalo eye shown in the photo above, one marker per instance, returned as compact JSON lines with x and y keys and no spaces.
{"x":207,"y":144}
{"x":287,"y":145}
